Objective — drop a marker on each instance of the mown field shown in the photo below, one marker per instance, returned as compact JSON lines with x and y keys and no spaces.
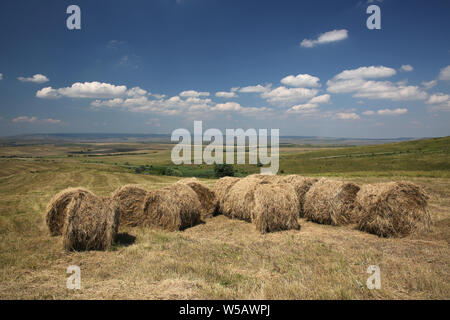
{"x":222,"y":258}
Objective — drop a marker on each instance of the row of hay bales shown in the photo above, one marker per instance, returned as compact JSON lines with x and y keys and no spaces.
{"x":273,"y":203}
{"x":88,"y":222}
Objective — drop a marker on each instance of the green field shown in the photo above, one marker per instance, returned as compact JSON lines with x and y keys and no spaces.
{"x":221,"y":259}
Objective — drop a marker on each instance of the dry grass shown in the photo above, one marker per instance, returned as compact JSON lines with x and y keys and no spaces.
{"x":130,"y":198}
{"x":91,"y":223}
{"x":276,"y":208}
{"x":56,"y":209}
{"x":393,"y":209}
{"x":206,"y":196}
{"x":172,"y":208}
{"x":331,"y":202}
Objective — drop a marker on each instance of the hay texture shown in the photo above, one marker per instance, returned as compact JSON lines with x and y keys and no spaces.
{"x":56,"y":209}
{"x":221,"y":189}
{"x":275,"y":208}
{"x":91,"y":223}
{"x":172,"y":208}
{"x":272,"y":178}
{"x":331,"y":202}
{"x":239,"y":202}
{"x":301,"y":186}
{"x":131,"y":204}
{"x":205,"y":195}
{"x":393,"y":209}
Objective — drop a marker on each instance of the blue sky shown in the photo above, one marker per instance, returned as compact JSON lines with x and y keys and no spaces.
{"x":309,"y":68}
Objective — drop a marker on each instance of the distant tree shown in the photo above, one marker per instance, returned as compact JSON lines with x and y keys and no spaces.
{"x":223,"y":170}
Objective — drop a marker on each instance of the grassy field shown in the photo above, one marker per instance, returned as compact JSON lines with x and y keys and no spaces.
{"x":222,"y":258}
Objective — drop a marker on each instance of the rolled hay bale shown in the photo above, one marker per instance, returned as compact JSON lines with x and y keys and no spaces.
{"x":205,"y":195}
{"x":239,"y":201}
{"x":130,"y":198}
{"x":393,"y":209}
{"x":301,"y":186}
{"x":57,"y":207}
{"x":91,"y":223}
{"x":172,"y":208}
{"x":276,"y":208}
{"x":272,"y":178}
{"x":221,"y":189}
{"x":331,"y":202}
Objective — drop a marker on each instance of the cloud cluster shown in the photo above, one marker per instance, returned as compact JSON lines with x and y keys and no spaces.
{"x":37,"y":78}
{"x":301,"y":80}
{"x":445,"y":74}
{"x":327,"y":37}
{"x":386,"y":112}
{"x":439,"y":102}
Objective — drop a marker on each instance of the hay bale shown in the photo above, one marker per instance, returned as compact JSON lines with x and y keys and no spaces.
{"x":301,"y":186}
{"x":276,"y":208}
{"x":172,"y":208}
{"x":56,"y":209}
{"x":331,"y":202}
{"x":393,"y":209}
{"x":221,"y":189}
{"x":131,"y":204}
{"x":205,"y":195}
{"x":239,"y":202}
{"x":272,"y":178}
{"x":91,"y":223}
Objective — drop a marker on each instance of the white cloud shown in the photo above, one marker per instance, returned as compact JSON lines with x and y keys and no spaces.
{"x":369,"y":113}
{"x":429,"y":84}
{"x":325,"y":98}
{"x":136,"y":92}
{"x":392,"y":112}
{"x":347,"y":116}
{"x":225,"y":94}
{"x":193,"y":93}
{"x":438,"y":98}
{"x":32,"y":119}
{"x":445,"y":73}
{"x":327,"y":37}
{"x":301,"y":80}
{"x":407,"y":68}
{"x":255,"y":89}
{"x":84,"y":90}
{"x":283,"y":95}
{"x":37,"y":78}
{"x":311,"y":106}
{"x":371,"y":72}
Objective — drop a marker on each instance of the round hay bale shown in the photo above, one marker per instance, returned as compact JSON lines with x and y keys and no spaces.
{"x":393,"y":209}
{"x":272,"y":178}
{"x":56,"y":209}
{"x":276,"y":208}
{"x":172,"y":208}
{"x":301,"y":186}
{"x":91,"y":223}
{"x":130,"y":198}
{"x":331,"y":202}
{"x":206,"y":196}
{"x":221,"y":189}
{"x":239,"y":202}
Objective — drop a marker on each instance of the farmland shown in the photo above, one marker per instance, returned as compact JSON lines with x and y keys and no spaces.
{"x":222,"y":258}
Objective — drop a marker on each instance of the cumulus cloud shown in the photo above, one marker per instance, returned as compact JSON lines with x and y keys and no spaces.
{"x":301,"y":80}
{"x":355,"y":81}
{"x":369,"y":113}
{"x":193,"y":93}
{"x":225,"y":94}
{"x":284,"y":96}
{"x":136,"y":92}
{"x":347,"y":116}
{"x":327,"y":37}
{"x":255,"y":89}
{"x":92,"y":90}
{"x":445,"y":73}
{"x":429,"y":84}
{"x":32,"y":119}
{"x":406,"y":68}
{"x":37,"y":78}
{"x":439,"y":102}
{"x":311,"y":106}
{"x":47,"y":93}
{"x":371,"y":72}
{"x":392,"y":112}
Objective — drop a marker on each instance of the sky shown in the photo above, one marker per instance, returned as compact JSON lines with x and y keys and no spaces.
{"x":308,"y":68}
